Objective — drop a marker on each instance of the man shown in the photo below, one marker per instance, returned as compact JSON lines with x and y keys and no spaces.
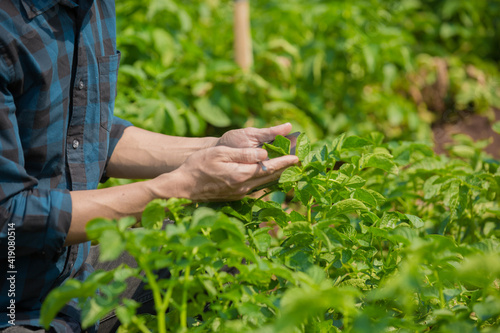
{"x":58,"y":139}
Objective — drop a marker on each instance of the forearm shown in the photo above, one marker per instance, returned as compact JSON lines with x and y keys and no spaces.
{"x":213,"y":174}
{"x":117,"y":202}
{"x":144,"y":154}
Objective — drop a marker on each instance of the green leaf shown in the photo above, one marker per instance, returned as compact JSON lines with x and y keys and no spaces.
{"x":380,"y":161}
{"x":365,"y":196}
{"x":102,"y":304}
{"x":203,"y":217}
{"x":97,"y":226}
{"x":273,"y":151}
{"x":431,"y":189}
{"x":298,"y":227}
{"x":354,"y":181}
{"x":112,"y":245}
{"x":197,"y":124}
{"x":389,"y":220}
{"x":303,"y":147}
{"x":452,"y":195}
{"x":164,"y":45}
{"x":261,"y":238}
{"x":154,"y":214}
{"x":415,"y":221}
{"x":231,"y":225}
{"x":346,"y":206}
{"x":71,"y":289}
{"x":355,"y":142}
{"x":126,"y":222}
{"x":126,"y":312}
{"x":212,"y":113}
{"x":178,"y":123}
{"x":283,"y":143}
{"x":292,"y":174}
{"x":496,"y":127}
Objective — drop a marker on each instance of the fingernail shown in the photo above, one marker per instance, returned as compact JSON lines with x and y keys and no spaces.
{"x":261,"y":154}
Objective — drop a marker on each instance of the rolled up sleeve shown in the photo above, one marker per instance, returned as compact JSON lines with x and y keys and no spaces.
{"x":119,"y":125}
{"x":117,"y":128}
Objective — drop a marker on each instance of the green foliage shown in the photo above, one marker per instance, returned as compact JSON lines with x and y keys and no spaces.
{"x":326,"y":66}
{"x":377,"y":236}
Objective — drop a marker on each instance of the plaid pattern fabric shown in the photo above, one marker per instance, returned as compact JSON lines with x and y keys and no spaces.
{"x":57,"y":132}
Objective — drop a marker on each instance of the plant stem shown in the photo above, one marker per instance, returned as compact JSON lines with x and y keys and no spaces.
{"x":440,"y":289}
{"x":140,"y":326}
{"x":183,"y":317}
{"x":160,"y":312}
{"x":309,"y":210}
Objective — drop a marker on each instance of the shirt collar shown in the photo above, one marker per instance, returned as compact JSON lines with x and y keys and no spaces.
{"x":36,"y":7}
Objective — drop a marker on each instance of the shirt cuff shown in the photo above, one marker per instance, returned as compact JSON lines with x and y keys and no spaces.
{"x":117,"y":128}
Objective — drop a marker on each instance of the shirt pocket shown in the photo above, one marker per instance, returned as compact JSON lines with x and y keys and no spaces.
{"x":108,"y":75}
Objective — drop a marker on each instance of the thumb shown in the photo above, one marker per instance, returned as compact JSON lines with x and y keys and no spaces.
{"x":269,"y":134}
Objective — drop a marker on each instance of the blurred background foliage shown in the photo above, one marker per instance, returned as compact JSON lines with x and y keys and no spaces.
{"x":327,"y":66}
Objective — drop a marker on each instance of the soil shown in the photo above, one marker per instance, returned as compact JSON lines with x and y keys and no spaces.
{"x":476,"y":126}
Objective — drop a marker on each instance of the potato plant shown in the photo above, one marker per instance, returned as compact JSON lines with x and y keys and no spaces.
{"x":364,"y":236}
{"x":323,"y":65}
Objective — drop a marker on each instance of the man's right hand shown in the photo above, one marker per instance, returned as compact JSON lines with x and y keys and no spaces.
{"x":224,"y":173}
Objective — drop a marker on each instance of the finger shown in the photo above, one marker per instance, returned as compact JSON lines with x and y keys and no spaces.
{"x":269,"y":134}
{"x":260,"y":181}
{"x":277,"y":164}
{"x":245,"y":155}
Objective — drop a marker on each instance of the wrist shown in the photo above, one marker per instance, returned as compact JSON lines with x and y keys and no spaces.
{"x":169,"y":185}
{"x":211,"y":141}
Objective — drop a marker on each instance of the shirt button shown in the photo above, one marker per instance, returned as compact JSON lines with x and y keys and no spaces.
{"x":76,"y":143}
{"x":81,"y":85}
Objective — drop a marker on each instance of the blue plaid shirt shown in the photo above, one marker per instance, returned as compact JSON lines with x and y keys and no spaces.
{"x":58,"y":71}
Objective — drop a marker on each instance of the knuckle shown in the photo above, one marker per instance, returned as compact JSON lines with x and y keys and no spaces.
{"x":271,"y":169}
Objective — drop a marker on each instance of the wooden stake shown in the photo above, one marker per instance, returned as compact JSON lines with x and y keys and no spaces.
{"x":242,"y":36}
